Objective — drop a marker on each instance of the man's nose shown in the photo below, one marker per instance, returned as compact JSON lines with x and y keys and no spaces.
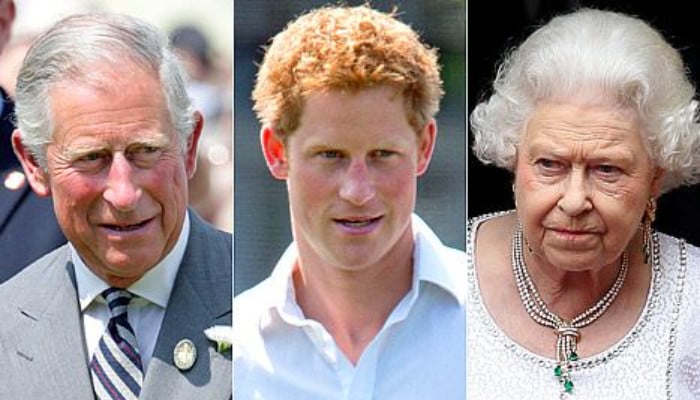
{"x":357,"y":186}
{"x":122,"y":192}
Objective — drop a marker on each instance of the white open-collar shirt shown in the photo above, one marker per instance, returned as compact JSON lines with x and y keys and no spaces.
{"x":145,"y":311}
{"x":419,"y":353}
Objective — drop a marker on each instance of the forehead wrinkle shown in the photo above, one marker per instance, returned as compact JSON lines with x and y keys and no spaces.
{"x":85,"y":128}
{"x":613,"y":126}
{"x":115,"y":141}
{"x":584,"y":130}
{"x":584,"y":121}
{"x":104,"y":116}
{"x":607,"y":146}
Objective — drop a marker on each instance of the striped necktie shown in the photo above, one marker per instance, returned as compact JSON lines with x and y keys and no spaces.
{"x":116,"y":367}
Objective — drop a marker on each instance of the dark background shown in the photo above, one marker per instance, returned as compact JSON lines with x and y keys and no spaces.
{"x":497,"y":26}
{"x":261,"y":217}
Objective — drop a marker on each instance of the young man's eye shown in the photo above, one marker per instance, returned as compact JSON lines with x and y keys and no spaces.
{"x":330,"y":154}
{"x":382,"y":153}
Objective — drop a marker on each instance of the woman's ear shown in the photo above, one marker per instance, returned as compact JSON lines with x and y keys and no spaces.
{"x":656,"y":182}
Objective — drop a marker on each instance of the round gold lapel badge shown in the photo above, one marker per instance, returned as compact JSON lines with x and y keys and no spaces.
{"x":184,"y":354}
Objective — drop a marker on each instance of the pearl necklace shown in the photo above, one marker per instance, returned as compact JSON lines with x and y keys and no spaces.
{"x":566,"y":330}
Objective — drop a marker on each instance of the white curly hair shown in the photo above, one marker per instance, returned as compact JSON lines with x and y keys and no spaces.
{"x":611,"y":54}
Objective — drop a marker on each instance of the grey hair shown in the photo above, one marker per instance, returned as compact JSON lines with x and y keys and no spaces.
{"x":70,"y":49}
{"x":594,"y":52}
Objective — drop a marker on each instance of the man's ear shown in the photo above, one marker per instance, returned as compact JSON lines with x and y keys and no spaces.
{"x":274,"y":152}
{"x":426,"y":145}
{"x":37,"y":176}
{"x":193,"y":144}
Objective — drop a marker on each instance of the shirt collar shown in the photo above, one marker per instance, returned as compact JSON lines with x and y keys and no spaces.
{"x":433,"y":263}
{"x":437,"y":264}
{"x":154,"y":286}
{"x":281,"y":283}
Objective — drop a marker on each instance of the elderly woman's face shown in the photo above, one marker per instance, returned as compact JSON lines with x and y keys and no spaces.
{"x":583,"y":178}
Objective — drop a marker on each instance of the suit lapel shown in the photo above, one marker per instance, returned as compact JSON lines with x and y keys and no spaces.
{"x":50,"y":336}
{"x":201,"y":298}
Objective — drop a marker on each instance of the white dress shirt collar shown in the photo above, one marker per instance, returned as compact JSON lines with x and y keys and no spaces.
{"x":430,"y":263}
{"x":154,"y":286}
{"x":429,"y":266}
{"x":419,"y":353}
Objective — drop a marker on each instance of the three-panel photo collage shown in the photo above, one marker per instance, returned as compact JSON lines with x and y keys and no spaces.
{"x":349,"y":200}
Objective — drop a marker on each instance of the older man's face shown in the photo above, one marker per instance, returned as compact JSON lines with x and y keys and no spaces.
{"x":117,"y":172}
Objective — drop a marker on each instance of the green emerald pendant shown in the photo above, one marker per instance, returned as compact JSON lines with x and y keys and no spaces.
{"x":568,"y":386}
{"x":557,"y":371}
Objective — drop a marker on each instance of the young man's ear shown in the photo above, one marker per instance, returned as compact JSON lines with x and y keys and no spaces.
{"x":38,"y":178}
{"x":426,"y":145}
{"x":192,"y":145}
{"x":274,"y":152}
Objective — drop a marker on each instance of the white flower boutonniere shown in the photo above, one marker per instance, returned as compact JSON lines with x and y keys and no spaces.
{"x":221,"y":335}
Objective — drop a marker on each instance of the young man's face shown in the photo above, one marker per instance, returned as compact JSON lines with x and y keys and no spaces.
{"x":351,"y":170}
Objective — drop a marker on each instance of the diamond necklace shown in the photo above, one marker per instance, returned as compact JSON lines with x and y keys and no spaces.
{"x":566,"y":330}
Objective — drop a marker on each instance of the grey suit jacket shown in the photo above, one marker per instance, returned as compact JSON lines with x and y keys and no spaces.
{"x":42,"y":348}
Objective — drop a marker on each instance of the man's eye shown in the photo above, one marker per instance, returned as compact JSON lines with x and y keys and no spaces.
{"x":329,"y":154}
{"x":144,"y":150}
{"x":149,"y":149}
{"x":144,"y":153}
{"x":93,"y":161}
{"x":90,"y":157}
{"x":382,"y":153}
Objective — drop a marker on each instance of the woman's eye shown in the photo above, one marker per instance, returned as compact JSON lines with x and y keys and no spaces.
{"x":548,"y":164}
{"x":608,"y":169}
{"x":608,"y":172}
